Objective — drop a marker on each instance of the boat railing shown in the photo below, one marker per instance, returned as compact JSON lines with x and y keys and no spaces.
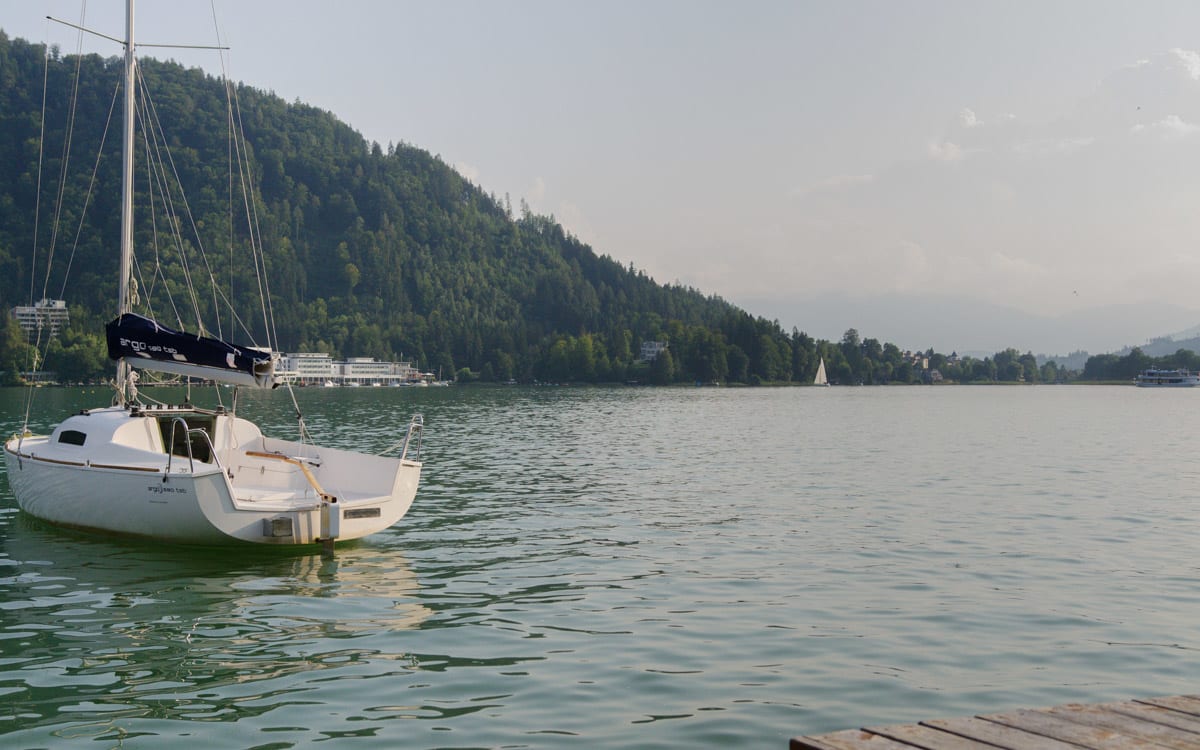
{"x":416,"y":430}
{"x":189,"y":432}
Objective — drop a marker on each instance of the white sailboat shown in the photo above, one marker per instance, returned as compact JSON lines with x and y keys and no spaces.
{"x":187,"y":475}
{"x":821,"y":379}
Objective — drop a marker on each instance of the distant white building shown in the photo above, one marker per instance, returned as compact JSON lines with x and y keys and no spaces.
{"x":49,"y":315}
{"x":651,"y":350}
{"x":305,"y":368}
{"x":317,"y":368}
{"x":363,"y":371}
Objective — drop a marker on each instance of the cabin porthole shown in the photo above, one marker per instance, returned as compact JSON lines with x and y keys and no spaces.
{"x":72,"y":437}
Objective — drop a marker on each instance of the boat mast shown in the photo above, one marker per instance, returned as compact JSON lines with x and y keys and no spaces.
{"x":123,"y":300}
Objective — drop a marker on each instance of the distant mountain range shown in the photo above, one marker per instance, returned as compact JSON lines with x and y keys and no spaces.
{"x":1160,"y":347}
{"x":970,"y":327}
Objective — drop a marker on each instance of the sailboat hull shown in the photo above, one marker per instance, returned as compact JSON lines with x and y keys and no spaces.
{"x":125,"y":502}
{"x":250,"y":489}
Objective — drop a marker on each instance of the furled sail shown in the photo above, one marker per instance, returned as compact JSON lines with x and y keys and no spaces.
{"x":146,"y":344}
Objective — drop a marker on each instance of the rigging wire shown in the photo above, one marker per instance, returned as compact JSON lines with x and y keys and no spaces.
{"x":258,"y":254}
{"x":257,"y":250}
{"x":163,"y":157}
{"x":37,"y":210}
{"x":64,"y":166}
{"x":35,"y":351}
{"x":91,"y":190}
{"x":160,"y":164}
{"x":37,"y":206}
{"x":158,"y":155}
{"x":239,"y":152}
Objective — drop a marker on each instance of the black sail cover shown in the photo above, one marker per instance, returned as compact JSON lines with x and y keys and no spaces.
{"x":146,"y":344}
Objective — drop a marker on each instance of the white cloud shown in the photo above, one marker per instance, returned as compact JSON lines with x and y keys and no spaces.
{"x":1174,"y":125}
{"x":567,"y":213}
{"x":836,"y":183}
{"x":1012,"y":210}
{"x":912,"y":267}
{"x":1053,"y":146}
{"x":1170,"y":127}
{"x":945,"y":151}
{"x":537,"y":191}
{"x":467,"y":171}
{"x":1190,"y":61}
{"x":571,"y":216}
{"x":1015,"y":268}
{"x":847,"y":180}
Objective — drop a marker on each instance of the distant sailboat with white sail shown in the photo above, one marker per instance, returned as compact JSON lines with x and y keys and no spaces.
{"x":821,"y":379}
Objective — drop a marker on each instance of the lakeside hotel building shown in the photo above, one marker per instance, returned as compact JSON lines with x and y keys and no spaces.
{"x":316,"y":368}
{"x":46,"y":315}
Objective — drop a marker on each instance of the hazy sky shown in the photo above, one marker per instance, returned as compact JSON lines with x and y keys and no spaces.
{"x":899,"y":167}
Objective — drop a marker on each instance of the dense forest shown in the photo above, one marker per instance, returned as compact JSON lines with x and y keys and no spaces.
{"x":1121,"y":367}
{"x":381,"y":251}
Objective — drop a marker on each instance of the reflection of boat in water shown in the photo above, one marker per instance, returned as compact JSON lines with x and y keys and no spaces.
{"x":206,"y":584}
{"x":377,"y":583}
{"x":121,"y":625}
{"x":1167,"y":379}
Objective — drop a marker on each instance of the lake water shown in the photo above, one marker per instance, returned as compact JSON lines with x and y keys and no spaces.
{"x":623,"y":567}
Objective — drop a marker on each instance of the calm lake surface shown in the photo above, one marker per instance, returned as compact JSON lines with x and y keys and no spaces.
{"x":622,"y":567}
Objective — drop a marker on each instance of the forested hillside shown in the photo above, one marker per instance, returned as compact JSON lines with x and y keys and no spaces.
{"x":371,"y":250}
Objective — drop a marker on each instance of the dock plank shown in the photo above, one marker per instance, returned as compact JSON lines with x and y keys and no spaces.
{"x":999,"y":735}
{"x":1102,"y":717}
{"x":1180,"y":720}
{"x":1162,"y":723}
{"x":929,"y":737}
{"x":1188,"y":704}
{"x":849,"y":739}
{"x":1065,"y":730}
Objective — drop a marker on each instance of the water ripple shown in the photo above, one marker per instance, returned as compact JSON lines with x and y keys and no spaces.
{"x":641,"y":567}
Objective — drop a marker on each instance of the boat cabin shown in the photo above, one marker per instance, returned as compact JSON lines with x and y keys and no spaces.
{"x":181,"y":431}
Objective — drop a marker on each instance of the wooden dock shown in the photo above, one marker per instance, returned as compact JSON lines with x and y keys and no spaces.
{"x":1145,"y":724}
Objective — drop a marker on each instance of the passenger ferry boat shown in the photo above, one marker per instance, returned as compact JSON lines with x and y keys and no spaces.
{"x":1167,"y":379}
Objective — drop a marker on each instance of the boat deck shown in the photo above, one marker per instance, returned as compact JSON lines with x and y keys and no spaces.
{"x":1149,"y":724}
